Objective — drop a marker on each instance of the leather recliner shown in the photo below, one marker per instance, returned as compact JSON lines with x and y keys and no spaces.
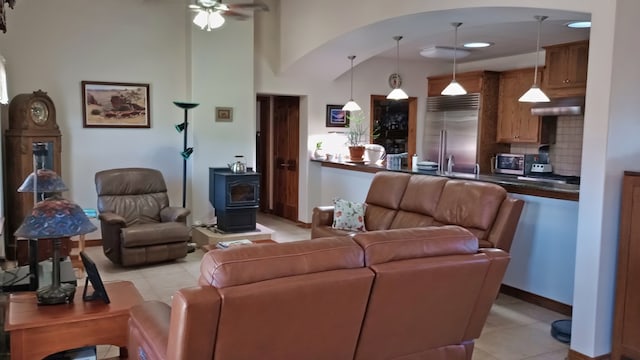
{"x":138,"y":225}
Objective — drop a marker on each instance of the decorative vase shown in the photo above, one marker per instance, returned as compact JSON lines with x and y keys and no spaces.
{"x":356,"y":153}
{"x":319,"y":154}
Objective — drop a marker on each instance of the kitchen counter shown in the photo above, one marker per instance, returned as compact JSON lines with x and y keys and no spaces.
{"x":510,"y":182}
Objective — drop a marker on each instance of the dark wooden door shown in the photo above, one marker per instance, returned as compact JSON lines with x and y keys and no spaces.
{"x":264,"y":162}
{"x":285,"y":153}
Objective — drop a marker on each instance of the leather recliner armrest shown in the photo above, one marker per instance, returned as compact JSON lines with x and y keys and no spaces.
{"x":322,"y":216}
{"x":174,"y":213}
{"x":149,"y":329}
{"x":112,"y":218}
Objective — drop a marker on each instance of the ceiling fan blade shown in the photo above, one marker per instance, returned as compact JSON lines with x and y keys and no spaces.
{"x":236,"y":15}
{"x":256,"y":6}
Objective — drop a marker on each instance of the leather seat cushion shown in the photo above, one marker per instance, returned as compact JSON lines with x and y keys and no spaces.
{"x":154,"y":234}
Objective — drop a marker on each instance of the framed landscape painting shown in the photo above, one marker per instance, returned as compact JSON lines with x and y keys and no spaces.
{"x":116,"y":105}
{"x":336,"y":117}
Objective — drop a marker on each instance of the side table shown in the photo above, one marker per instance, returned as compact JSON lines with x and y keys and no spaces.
{"x":38,"y":331}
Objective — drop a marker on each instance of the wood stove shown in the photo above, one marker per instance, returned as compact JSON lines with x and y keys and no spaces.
{"x":235,"y":198}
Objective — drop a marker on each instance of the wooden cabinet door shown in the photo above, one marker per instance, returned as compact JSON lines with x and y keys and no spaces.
{"x":626,"y":326}
{"x":515,"y":122}
{"x":566,"y":69}
{"x":470,"y":81}
{"x":286,"y":120}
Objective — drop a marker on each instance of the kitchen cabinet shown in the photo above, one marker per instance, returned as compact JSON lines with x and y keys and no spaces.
{"x":565,"y":71}
{"x":486,"y":83}
{"x":516,"y":124}
{"x":470,"y":81}
{"x":626,"y":321}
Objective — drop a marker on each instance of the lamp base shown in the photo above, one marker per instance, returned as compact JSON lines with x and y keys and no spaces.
{"x":52,"y":295}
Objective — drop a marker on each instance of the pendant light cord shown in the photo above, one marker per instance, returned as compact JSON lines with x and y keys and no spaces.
{"x":351,"y":57}
{"x":397,"y":39}
{"x":455,"y":47}
{"x":535,"y":71}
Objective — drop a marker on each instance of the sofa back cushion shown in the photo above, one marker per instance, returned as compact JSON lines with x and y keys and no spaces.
{"x":289,"y":300}
{"x":383,"y":199}
{"x":419,"y":202}
{"x":426,"y":291}
{"x":253,"y":263}
{"x":471,"y":204}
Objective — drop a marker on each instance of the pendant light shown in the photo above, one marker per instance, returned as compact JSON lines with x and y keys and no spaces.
{"x":535,"y":94}
{"x":351,"y":105}
{"x":397,"y":93}
{"x":454,"y":88}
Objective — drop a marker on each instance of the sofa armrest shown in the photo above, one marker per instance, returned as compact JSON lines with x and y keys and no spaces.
{"x":149,"y":330}
{"x":504,"y":227}
{"x":194,"y":323}
{"x":322,"y":216}
{"x":174,"y":213}
{"x":112,"y":219}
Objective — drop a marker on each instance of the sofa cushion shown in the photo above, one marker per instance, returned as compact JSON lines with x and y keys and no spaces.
{"x":348,"y":215}
{"x":471,"y":204}
{"x":154,"y":234}
{"x":253,"y":263}
{"x":422,"y":194}
{"x":401,"y":244}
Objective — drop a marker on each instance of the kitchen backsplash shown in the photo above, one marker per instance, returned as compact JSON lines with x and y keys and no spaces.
{"x":566,"y":154}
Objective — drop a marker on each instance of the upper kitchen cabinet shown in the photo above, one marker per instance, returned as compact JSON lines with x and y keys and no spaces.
{"x":566,"y":69}
{"x":486,"y":83}
{"x":470,"y":81}
{"x":516,"y":124}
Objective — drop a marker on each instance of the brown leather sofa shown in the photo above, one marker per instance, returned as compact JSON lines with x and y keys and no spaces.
{"x":399,"y":200}
{"x":138,"y":225}
{"x":421,"y":293}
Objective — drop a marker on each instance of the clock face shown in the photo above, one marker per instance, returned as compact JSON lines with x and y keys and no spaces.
{"x":395,"y":81}
{"x":39,"y":112}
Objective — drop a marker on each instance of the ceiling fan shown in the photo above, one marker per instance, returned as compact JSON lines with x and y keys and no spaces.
{"x":210,"y":14}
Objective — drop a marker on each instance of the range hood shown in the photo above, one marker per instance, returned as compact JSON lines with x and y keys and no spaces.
{"x":559,"y":107}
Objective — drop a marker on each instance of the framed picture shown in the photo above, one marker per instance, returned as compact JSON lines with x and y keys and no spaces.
{"x":336,"y":117}
{"x":115,"y":105}
{"x":224,"y":114}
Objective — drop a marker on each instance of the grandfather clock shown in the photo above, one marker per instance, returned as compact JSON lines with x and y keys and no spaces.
{"x":32,"y":119}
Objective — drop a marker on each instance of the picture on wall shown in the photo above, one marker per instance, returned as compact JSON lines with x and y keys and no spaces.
{"x":116,"y":105}
{"x":224,"y":114}
{"x":336,"y":117}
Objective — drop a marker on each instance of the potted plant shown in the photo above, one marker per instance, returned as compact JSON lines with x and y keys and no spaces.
{"x":319,"y":154}
{"x":356,"y":132}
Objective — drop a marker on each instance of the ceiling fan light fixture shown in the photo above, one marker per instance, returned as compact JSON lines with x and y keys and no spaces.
{"x":215,"y":20}
{"x":397,"y":93}
{"x":207,"y":19}
{"x":454,"y":88}
{"x":535,"y":94}
{"x":351,"y":105}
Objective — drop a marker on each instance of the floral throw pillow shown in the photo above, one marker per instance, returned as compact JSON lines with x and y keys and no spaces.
{"x":348,"y":215}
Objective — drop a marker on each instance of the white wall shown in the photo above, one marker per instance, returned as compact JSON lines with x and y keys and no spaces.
{"x":54,"y":45}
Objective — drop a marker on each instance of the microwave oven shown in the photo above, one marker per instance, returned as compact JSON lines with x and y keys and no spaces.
{"x":515,"y":164}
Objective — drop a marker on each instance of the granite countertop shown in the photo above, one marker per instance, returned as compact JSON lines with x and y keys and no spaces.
{"x":510,"y":182}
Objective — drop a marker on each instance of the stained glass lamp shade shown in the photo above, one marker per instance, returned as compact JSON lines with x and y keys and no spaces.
{"x":55,"y":219}
{"x":47,"y":181}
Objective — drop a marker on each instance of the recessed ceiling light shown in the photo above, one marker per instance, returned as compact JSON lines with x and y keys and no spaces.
{"x":579,"y":24}
{"x":479,"y":44}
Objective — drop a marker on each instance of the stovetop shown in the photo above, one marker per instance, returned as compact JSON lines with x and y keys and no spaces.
{"x":550,"y":177}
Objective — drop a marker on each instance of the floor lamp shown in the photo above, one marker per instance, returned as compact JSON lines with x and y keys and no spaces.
{"x":186,"y":151}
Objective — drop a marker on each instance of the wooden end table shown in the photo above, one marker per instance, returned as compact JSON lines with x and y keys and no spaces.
{"x":38,"y":331}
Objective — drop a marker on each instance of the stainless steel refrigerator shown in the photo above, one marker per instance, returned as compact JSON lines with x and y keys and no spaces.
{"x":451,"y":129}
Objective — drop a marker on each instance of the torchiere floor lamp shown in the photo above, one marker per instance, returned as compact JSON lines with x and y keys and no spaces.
{"x":186,"y":151}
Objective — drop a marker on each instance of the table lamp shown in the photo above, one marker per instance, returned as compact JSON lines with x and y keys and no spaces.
{"x":55,"y":218}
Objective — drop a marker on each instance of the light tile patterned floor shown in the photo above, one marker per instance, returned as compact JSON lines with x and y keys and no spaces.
{"x":515,"y":330}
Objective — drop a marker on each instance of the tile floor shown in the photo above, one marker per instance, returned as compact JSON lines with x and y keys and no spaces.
{"x":514,"y":330}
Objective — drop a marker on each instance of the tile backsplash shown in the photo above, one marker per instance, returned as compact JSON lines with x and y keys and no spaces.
{"x":566,"y":154}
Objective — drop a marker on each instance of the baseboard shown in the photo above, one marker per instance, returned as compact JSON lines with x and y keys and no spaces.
{"x":574,"y":355}
{"x":546,"y":303}
{"x":304,"y":225}
{"x":87,"y":243}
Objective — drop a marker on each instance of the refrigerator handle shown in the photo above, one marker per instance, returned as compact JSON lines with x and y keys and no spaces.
{"x":442,"y":150}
